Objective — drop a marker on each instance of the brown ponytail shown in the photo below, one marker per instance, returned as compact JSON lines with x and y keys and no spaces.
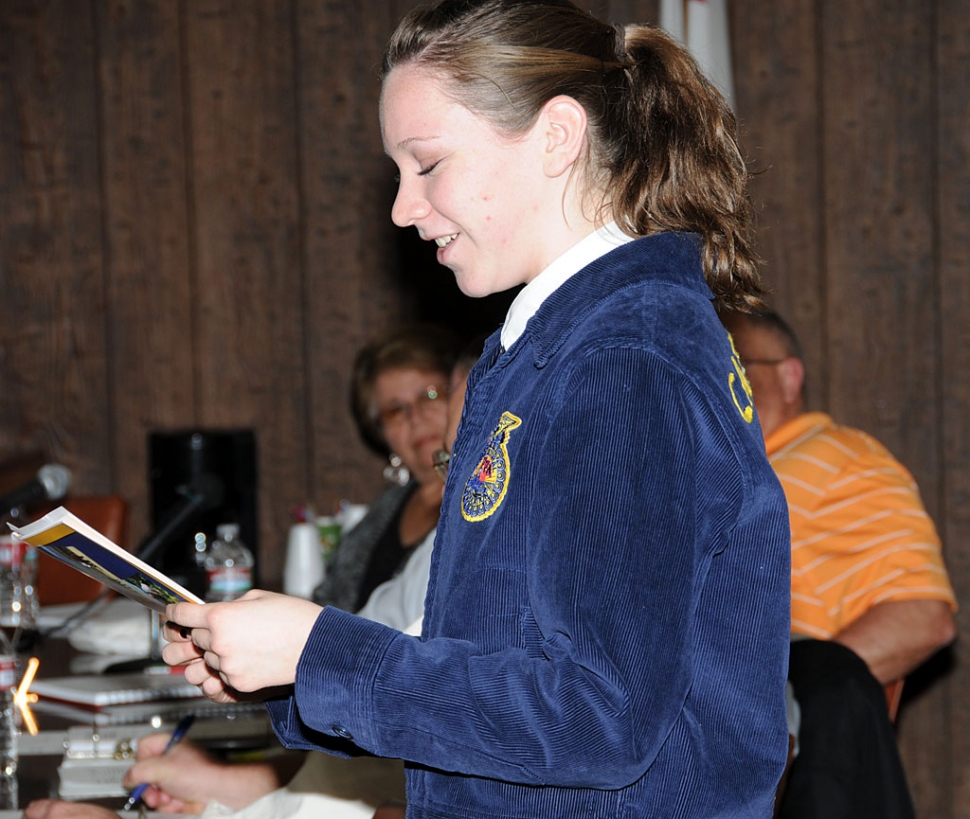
{"x":681,"y":167}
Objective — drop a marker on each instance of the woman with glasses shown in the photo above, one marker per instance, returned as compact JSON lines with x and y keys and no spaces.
{"x":400,"y":602}
{"x":399,"y":389}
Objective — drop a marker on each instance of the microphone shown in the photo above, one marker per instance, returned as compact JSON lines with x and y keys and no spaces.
{"x":51,"y":483}
{"x":204,"y":492}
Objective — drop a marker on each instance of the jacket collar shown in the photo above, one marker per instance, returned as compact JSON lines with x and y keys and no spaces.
{"x":792,"y":432}
{"x":530,"y":298}
{"x":664,"y":258}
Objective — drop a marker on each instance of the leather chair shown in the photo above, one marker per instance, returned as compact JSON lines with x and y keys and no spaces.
{"x":58,"y":583}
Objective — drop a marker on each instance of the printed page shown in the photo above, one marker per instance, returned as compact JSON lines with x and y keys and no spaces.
{"x":69,"y":539}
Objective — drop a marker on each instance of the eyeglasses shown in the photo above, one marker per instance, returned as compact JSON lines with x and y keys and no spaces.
{"x":440,"y":461}
{"x":396,"y":414}
{"x":747,"y":362}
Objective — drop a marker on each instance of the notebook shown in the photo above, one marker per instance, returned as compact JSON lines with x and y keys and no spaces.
{"x":100,"y":690}
{"x":140,"y":713}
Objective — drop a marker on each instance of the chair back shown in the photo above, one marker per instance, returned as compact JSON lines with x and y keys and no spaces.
{"x":58,"y":583}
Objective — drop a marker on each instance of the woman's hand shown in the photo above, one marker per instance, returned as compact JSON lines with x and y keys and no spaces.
{"x":186,"y":779}
{"x":183,"y":780}
{"x":57,"y":809}
{"x":245,"y":645}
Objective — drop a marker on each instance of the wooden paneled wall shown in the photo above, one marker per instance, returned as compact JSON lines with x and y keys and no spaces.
{"x":194,"y":232}
{"x":857,"y":115}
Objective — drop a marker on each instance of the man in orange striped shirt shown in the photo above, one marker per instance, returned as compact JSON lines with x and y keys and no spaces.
{"x":871,"y":600}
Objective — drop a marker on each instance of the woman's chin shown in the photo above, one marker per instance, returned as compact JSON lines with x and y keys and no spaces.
{"x":475,"y":287}
{"x":426,"y":477}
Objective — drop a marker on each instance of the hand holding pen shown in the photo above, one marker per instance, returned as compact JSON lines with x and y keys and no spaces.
{"x":180,"y":731}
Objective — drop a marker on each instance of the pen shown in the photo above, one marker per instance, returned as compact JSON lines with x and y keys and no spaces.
{"x":180,"y":731}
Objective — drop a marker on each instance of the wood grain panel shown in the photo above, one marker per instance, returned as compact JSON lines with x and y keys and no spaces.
{"x":878,"y":197}
{"x":952,"y":760}
{"x":146,"y":229}
{"x":354,"y":281}
{"x":776,"y":80}
{"x":249,"y":302}
{"x":621,"y":12}
{"x":53,"y":391}
{"x":878,"y":148}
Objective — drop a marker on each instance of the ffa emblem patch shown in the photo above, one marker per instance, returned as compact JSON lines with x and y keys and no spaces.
{"x":744,"y":402}
{"x":486,"y":487}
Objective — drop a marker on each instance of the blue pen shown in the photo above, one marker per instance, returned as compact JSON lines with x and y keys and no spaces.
{"x":180,"y":731}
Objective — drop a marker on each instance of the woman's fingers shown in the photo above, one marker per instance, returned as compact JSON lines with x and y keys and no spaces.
{"x":186,"y":616}
{"x":181,"y":653}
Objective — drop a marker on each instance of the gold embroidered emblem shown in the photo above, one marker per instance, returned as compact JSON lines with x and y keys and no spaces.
{"x":486,"y":488}
{"x":745,"y":403}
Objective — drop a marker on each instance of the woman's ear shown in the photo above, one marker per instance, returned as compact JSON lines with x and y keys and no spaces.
{"x":562,"y":130}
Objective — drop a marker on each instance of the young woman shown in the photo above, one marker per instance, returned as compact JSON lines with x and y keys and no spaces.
{"x":606,"y":627}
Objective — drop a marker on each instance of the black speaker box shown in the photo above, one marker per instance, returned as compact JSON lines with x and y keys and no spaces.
{"x":177,"y":459}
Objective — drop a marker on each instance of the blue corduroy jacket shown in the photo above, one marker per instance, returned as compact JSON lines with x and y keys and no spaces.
{"x":606,"y":627}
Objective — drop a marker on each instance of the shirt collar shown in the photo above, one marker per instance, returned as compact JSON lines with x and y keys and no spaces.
{"x":793,"y":431}
{"x":530,"y":298}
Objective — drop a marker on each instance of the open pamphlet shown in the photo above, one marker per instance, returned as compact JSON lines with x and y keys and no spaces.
{"x":69,"y":539}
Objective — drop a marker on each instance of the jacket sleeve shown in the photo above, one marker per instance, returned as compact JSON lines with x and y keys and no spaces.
{"x":617,"y":551}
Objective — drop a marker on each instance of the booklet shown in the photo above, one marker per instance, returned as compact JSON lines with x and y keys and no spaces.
{"x":69,"y":539}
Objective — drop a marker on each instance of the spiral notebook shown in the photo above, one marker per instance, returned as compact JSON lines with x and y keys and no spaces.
{"x":139,"y":713}
{"x":101,"y":690}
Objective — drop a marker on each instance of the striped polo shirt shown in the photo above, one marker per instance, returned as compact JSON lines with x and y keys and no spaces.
{"x":860,"y":534}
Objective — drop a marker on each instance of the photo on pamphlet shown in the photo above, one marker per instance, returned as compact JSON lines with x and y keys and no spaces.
{"x":67,"y":538}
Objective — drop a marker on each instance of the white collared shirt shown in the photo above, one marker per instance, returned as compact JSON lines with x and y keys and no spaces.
{"x":530,"y":298}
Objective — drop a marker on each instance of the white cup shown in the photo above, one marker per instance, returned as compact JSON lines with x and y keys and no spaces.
{"x":304,"y":561}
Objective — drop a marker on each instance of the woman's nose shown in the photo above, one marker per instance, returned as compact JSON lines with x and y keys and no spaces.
{"x":409,"y":206}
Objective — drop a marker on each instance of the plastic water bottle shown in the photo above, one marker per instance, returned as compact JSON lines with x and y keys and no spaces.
{"x":228,"y":565}
{"x":9,"y":754}
{"x":18,"y":577}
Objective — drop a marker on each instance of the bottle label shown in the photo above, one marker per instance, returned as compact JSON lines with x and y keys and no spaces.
{"x":8,"y":671}
{"x":230,"y":581}
{"x":12,"y":552}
